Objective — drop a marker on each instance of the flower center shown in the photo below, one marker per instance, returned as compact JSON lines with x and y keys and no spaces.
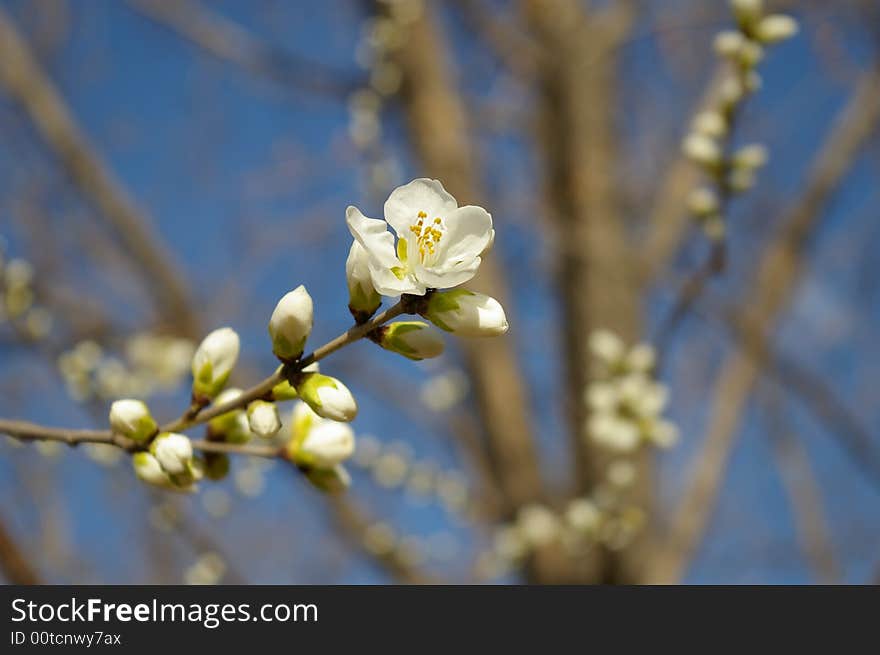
{"x":428,"y":234}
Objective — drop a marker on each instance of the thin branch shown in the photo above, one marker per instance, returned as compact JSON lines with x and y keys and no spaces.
{"x":24,"y":80}
{"x":804,"y":495}
{"x":31,"y":431}
{"x":778,"y":272}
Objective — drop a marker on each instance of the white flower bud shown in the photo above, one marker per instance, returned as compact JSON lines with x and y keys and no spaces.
{"x":583,"y":515}
{"x":711,"y":124}
{"x":132,"y":419}
{"x":776,"y":28}
{"x":263,"y":418}
{"x":601,"y":397}
{"x":363,"y":299}
{"x":750,"y":157}
{"x":702,"y":202}
{"x":747,"y":11}
{"x":213,"y":362}
{"x":537,"y":525}
{"x":606,"y":345}
{"x":174,"y":453}
{"x":327,"y":396}
{"x":317,"y":442}
{"x":147,"y":468}
{"x":467,"y":313}
{"x":291,"y":324}
{"x":613,"y":432}
{"x":728,"y":43}
{"x":702,"y":150}
{"x":412,"y":339}
{"x":731,"y":92}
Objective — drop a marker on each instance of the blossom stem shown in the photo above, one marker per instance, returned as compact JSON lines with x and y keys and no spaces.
{"x":27,"y":431}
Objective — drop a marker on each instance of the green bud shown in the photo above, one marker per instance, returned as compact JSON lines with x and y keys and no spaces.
{"x":412,"y":339}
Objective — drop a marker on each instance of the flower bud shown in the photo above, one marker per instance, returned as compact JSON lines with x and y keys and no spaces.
{"x":232,"y":426}
{"x":747,"y":11}
{"x":466,"y":313}
{"x":213,"y":362}
{"x":750,"y":157}
{"x":291,"y":324}
{"x":317,"y":442}
{"x":147,"y":468}
{"x":728,"y":43}
{"x":702,"y":201}
{"x":583,"y":516}
{"x":363,"y":300}
{"x":702,"y":150}
{"x":327,"y":396}
{"x":332,"y":481}
{"x":711,"y":124}
{"x":263,"y":418}
{"x":132,"y":419}
{"x":776,"y":28}
{"x":174,"y":453}
{"x":412,"y":339}
{"x":606,"y":345}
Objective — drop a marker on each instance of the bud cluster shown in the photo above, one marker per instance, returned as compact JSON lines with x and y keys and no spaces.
{"x":17,"y":298}
{"x":148,"y":364}
{"x":624,"y":400}
{"x":709,"y":140}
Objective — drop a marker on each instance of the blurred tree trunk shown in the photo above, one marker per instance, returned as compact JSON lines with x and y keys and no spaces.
{"x":578,"y":100}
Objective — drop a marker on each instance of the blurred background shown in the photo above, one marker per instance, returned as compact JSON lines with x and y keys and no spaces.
{"x":171,"y":167}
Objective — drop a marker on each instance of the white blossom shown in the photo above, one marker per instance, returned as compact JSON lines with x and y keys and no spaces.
{"x":291,"y":324}
{"x":438,"y":244}
{"x":467,"y":313}
{"x":132,"y":419}
{"x":213,"y":362}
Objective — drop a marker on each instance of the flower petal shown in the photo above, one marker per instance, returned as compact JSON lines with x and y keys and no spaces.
{"x":468,"y":233}
{"x":386,"y":270}
{"x":421,"y":195}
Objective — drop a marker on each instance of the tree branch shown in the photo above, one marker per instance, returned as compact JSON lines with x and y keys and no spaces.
{"x":778,"y":271}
